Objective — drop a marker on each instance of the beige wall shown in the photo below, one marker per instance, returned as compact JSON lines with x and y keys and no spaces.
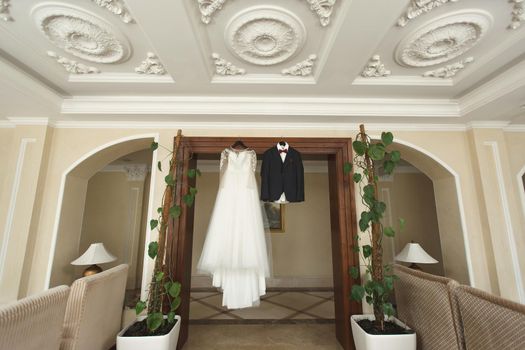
{"x":303,"y":250}
{"x":453,"y":148}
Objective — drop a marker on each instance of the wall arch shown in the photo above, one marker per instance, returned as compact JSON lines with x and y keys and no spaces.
{"x":75,"y":177}
{"x":521,"y":185}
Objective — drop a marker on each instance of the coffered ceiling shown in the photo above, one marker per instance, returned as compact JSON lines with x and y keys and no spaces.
{"x":410,"y":61}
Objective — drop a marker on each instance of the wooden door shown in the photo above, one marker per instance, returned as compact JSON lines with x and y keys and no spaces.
{"x":342,"y":221}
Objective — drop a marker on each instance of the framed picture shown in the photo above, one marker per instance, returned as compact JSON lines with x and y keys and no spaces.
{"x":275,"y":215}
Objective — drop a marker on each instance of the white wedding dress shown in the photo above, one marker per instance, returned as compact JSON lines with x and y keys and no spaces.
{"x":234,"y":252}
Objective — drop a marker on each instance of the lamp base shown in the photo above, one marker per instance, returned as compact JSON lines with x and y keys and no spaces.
{"x":415,"y":267}
{"x":92,"y":270}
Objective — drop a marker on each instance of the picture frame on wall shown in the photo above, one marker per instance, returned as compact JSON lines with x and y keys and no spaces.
{"x":275,"y":214}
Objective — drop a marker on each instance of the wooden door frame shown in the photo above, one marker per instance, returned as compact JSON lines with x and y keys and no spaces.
{"x":342,"y":220}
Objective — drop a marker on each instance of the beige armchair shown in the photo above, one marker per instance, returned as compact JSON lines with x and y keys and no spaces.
{"x":94,"y":310}
{"x":425,"y":303}
{"x":35,"y":322}
{"x":490,"y":322}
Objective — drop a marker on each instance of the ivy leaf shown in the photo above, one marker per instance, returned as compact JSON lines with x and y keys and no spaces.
{"x":369,"y":300}
{"x":192,"y":173}
{"x":388,"y":309}
{"x":154,"y":146}
{"x":153,"y":249}
{"x":389,"y":166}
{"x":159,"y":165}
{"x":153,"y":223}
{"x":357,"y":177}
{"x":154,"y":321}
{"x":174,"y":289}
{"x":193,"y":191}
{"x":175,"y":211}
{"x":175,"y":303}
{"x":347,"y":168}
{"x":389,"y":231}
{"x":367,"y":251}
{"x":365,"y":219}
{"x":379,"y":208}
{"x":159,"y":210}
{"x":369,"y":190}
{"x":188,"y":199}
{"x":377,"y":151}
{"x":159,"y":276}
{"x":387,"y":138}
{"x":389,"y":282}
{"x":354,"y":272}
{"x":402,"y":223}
{"x":140,"y":307}
{"x":355,"y":248}
{"x":359,"y":147}
{"x":169,"y":180}
{"x":171,"y":317}
{"x":358,"y":292}
{"x":395,"y":156}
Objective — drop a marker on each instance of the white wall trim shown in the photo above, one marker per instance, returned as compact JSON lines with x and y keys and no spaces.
{"x":521,"y":189}
{"x":509,"y":230}
{"x":278,"y":106}
{"x":29,"y":121}
{"x":262,"y":79}
{"x":133,"y":201}
{"x":515,"y":128}
{"x":6,"y":124}
{"x":403,"y":80}
{"x":60,"y":199}
{"x":459,"y":194}
{"x":120,"y":78}
{"x":12,"y":202}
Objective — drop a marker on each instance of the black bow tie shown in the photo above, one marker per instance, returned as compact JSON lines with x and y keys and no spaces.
{"x":283,"y":151}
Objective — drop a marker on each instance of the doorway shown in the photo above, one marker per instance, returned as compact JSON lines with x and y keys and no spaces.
{"x":342,"y":220}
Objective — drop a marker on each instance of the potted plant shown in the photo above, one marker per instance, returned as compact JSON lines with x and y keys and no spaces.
{"x":380,"y":330}
{"x":159,"y":328}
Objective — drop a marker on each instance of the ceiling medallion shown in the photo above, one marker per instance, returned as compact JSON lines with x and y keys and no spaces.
{"x":449,"y":71}
{"x":116,"y":7}
{"x":265,"y":35}
{"x":443,"y":39}
{"x":303,"y":68}
{"x":518,"y":14}
{"x":71,"y":66}
{"x":223,"y":67}
{"x":375,"y":68}
{"x":208,"y":8}
{"x":418,"y":8}
{"x":4,"y":11}
{"x":323,"y":8}
{"x":151,"y":65}
{"x":81,"y":33}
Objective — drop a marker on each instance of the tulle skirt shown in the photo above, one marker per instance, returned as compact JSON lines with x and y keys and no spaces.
{"x":234,"y":251}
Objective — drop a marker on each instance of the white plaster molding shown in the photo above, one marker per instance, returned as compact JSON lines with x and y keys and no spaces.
{"x":151,"y":65}
{"x":263,"y":79}
{"x":403,"y":80}
{"x":417,"y":8}
{"x":444,"y":38}
{"x":225,"y":105}
{"x":146,"y":276}
{"x":487,"y":124}
{"x":72,"y":66}
{"x":116,"y":7}
{"x":323,"y":9}
{"x":208,"y":9}
{"x":16,"y":121}
{"x":136,"y":172}
{"x":265,"y":35}
{"x":509,"y":230}
{"x":121,"y":78}
{"x":518,"y":14}
{"x":303,"y":68}
{"x":375,"y":68}
{"x":450,"y":70}
{"x":223,"y":67}
{"x":81,"y":33}
{"x":515,"y":128}
{"x":6,"y":124}
{"x":521,"y":188}
{"x":8,"y":228}
{"x":4,"y":11}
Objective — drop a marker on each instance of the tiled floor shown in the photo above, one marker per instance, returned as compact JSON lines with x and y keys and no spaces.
{"x":277,"y":306}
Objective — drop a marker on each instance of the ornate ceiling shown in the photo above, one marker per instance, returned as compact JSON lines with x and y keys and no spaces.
{"x":425,"y":61}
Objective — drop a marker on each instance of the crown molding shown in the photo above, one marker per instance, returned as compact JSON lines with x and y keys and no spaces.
{"x":120,"y":78}
{"x":262,"y":79}
{"x":29,"y":121}
{"x":487,"y":124}
{"x":515,"y":128}
{"x":403,"y":80}
{"x":6,"y":124}
{"x":276,"y":106}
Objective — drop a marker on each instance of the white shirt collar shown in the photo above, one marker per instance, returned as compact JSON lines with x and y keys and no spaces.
{"x":286,"y":146}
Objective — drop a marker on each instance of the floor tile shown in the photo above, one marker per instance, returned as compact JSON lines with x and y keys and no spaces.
{"x":326,"y":295}
{"x":295,"y":300}
{"x":324,"y":310}
{"x":200,"y":311}
{"x":265,"y":310}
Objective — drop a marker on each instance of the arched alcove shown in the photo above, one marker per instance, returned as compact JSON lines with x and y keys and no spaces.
{"x":72,"y":199}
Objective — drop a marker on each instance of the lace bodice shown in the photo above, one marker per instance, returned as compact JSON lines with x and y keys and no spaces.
{"x":241,"y":158}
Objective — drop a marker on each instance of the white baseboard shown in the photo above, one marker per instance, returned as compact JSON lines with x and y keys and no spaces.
{"x":276,"y":282}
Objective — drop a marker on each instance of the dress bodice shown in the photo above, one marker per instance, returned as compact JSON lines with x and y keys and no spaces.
{"x":237,"y":167}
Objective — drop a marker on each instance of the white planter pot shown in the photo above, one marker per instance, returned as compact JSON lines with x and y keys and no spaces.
{"x":157,"y":342}
{"x":365,"y":341}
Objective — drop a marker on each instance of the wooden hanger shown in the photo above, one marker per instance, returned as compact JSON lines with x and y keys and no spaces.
{"x":238,"y":145}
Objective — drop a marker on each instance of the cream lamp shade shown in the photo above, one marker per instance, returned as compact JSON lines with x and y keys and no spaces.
{"x":413,"y":253}
{"x":95,"y":254}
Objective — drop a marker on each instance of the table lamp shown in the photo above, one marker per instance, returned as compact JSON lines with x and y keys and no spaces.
{"x":414,"y":254}
{"x":95,"y":254}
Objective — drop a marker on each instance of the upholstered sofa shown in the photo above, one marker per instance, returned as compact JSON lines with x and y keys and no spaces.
{"x":94,"y":310}
{"x":35,"y":322}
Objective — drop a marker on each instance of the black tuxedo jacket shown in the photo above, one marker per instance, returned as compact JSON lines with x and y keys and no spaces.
{"x":278,"y":177}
